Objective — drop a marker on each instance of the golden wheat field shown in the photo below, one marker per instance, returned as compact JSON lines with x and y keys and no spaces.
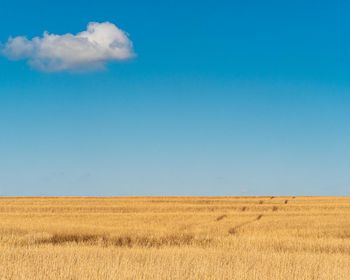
{"x":175,"y":238}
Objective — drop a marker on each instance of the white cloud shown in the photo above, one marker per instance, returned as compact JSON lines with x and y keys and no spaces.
{"x":87,"y":50}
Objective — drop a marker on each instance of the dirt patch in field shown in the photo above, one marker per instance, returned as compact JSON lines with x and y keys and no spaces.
{"x":124,"y":241}
{"x":221,"y":217}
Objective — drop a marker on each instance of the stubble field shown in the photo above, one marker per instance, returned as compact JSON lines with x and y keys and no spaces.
{"x":175,"y":238}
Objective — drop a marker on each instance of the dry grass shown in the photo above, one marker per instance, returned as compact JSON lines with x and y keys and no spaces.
{"x":175,"y":238}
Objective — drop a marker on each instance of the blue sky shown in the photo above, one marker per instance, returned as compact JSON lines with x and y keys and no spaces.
{"x":220,"y":98}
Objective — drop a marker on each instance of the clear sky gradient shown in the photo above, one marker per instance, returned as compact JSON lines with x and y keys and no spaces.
{"x":222,"y":98}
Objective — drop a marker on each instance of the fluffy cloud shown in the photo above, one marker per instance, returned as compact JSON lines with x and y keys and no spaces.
{"x":87,"y":50}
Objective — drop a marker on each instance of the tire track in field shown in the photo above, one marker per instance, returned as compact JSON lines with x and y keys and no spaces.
{"x":233,"y":230}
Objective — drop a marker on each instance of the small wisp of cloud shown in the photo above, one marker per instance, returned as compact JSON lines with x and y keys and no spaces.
{"x":88,"y":50}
